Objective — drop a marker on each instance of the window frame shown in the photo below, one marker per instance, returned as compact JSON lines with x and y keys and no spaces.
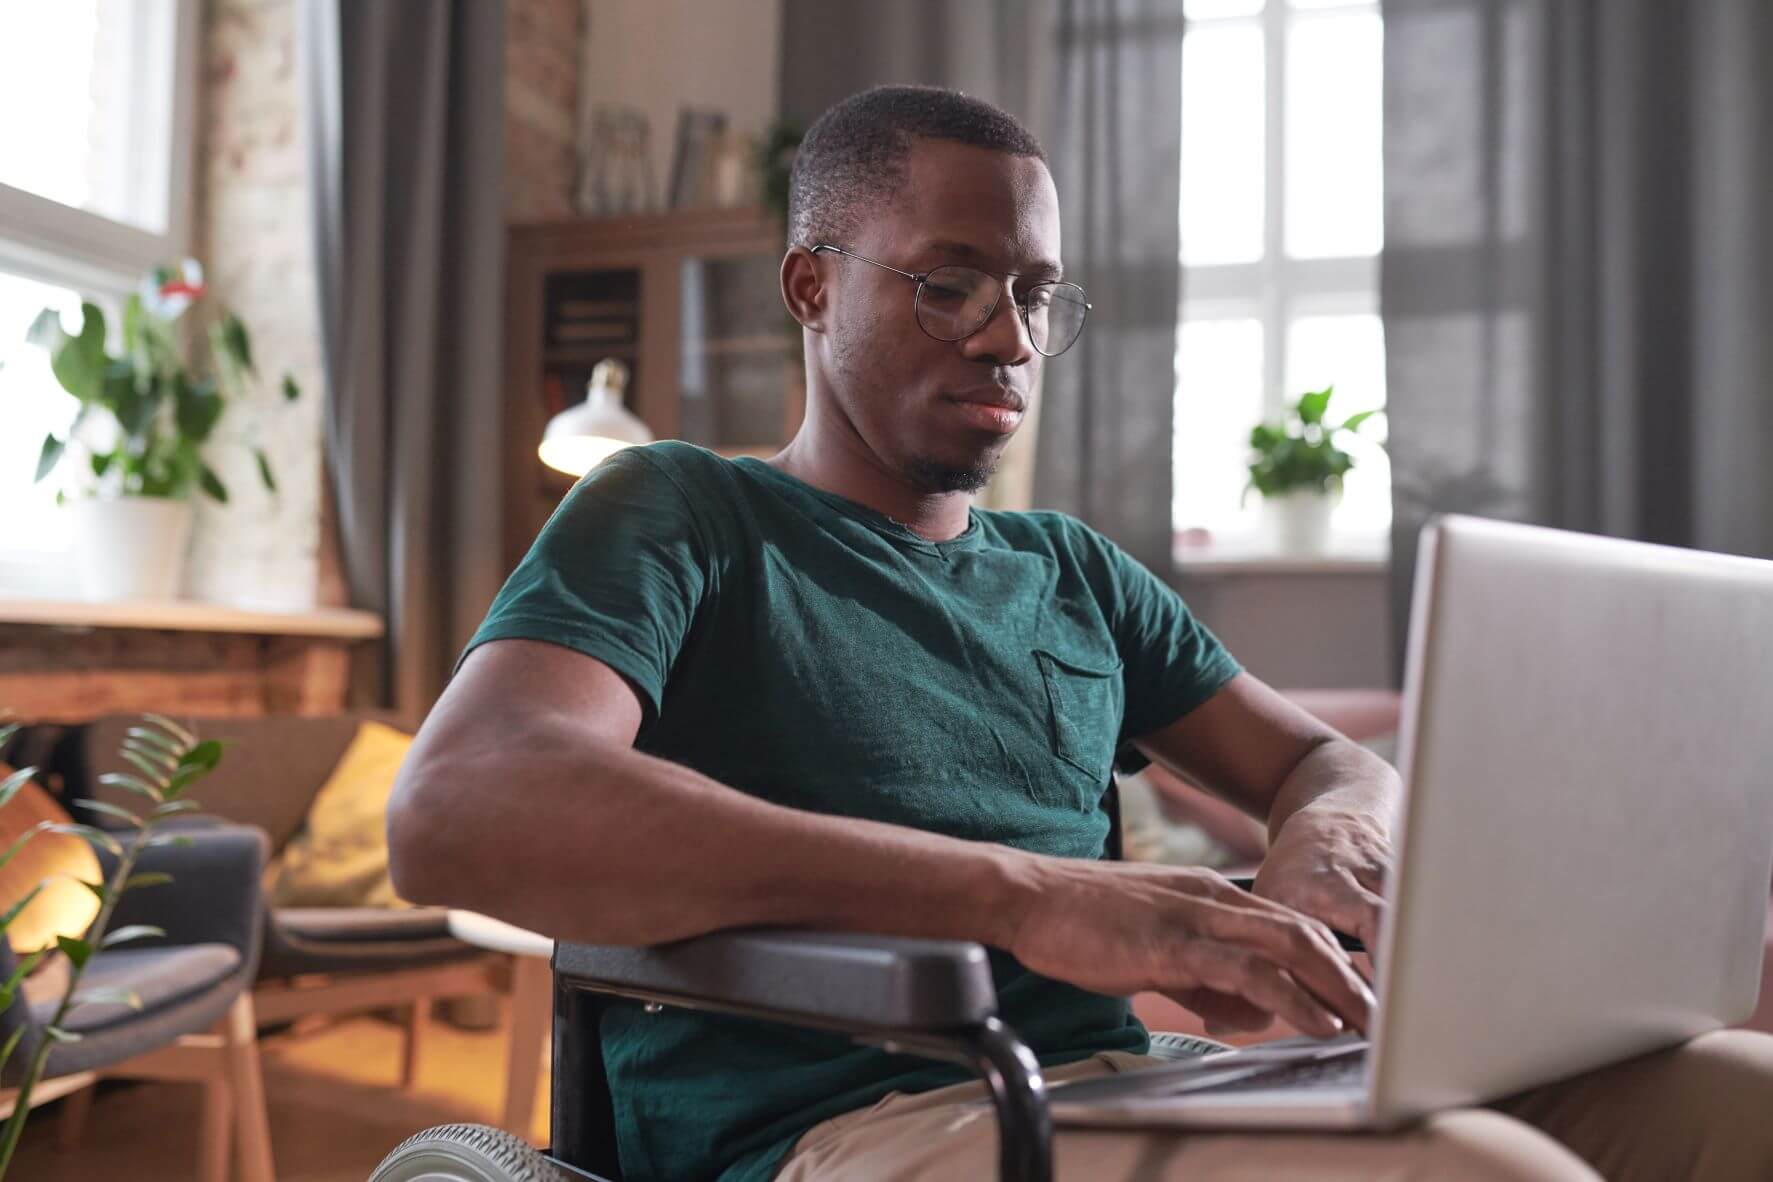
{"x":1276,"y":289}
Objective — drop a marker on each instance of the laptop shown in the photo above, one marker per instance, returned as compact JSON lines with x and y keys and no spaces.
{"x":1584,"y":849}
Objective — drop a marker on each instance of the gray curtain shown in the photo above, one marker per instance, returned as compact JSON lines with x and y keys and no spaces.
{"x":406,"y":107}
{"x":1099,"y":82}
{"x":1578,"y":274}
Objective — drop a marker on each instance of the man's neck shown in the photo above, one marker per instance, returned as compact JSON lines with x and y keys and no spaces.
{"x":850,"y":471}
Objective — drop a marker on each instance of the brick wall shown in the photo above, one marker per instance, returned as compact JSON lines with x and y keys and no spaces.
{"x":254,"y":236}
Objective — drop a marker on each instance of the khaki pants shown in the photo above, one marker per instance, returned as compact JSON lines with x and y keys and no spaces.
{"x":1701,"y":1112}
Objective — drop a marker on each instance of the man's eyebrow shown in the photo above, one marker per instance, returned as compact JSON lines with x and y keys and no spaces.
{"x":1040,"y":269}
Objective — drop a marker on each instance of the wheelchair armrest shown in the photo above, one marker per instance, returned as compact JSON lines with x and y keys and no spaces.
{"x":833,"y":980}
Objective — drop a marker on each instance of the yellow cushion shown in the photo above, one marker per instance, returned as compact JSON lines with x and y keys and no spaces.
{"x":340,"y":856}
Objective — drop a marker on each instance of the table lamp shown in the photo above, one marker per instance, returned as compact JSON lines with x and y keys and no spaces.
{"x":580,"y":437}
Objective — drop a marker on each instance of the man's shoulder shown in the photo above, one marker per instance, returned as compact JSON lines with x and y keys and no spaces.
{"x":1058,"y":534}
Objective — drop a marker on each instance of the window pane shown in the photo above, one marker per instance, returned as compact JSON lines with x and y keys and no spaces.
{"x":1333,"y":125}
{"x":1218,"y":400}
{"x":1222,"y":104}
{"x":1206,"y":10}
{"x":85,"y":104}
{"x":1349,"y":353}
{"x":34,"y":405}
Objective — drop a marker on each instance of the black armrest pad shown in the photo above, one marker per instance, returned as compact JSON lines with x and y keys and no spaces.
{"x":832,"y":979}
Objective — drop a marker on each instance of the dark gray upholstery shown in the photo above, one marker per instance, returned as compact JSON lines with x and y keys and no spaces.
{"x":159,"y":978}
{"x":363,"y":924}
{"x":211,"y":913}
{"x":357,"y":939}
{"x":853,"y":981}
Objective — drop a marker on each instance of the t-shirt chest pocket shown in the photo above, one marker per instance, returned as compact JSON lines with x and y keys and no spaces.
{"x":1084,"y":704}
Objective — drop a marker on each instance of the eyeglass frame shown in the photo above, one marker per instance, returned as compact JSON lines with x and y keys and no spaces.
{"x":920,"y":277}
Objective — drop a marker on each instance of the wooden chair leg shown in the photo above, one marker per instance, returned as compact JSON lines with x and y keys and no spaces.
{"x":418,"y":1017}
{"x":215,"y":1131}
{"x":532,"y":1012}
{"x":71,"y":1121}
{"x":252,"y":1124}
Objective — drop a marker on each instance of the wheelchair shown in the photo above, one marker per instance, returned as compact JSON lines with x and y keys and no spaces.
{"x":933,"y":998}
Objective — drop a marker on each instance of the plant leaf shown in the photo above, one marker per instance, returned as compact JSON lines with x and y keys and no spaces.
{"x":265,"y":469}
{"x":291,"y":391}
{"x":135,"y":931}
{"x":10,"y":989}
{"x":156,"y":738}
{"x":113,"y":810}
{"x":11,"y":913}
{"x":60,"y":1035}
{"x":7,"y":731}
{"x":154,"y":774}
{"x":164,"y":761}
{"x":133,"y":784}
{"x":205,"y":755}
{"x":49,"y":456}
{"x":12,"y":785}
{"x":185,"y":737}
{"x":172,"y":807}
{"x":212,"y":484}
{"x":173,"y":839}
{"x":146,"y":878}
{"x":79,"y":362}
{"x":1353,"y":422}
{"x":115,"y":995}
{"x":99,"y":889}
{"x":1313,"y":405}
{"x":18,"y":1032}
{"x":18,"y":843}
{"x":78,"y":951}
{"x":91,"y":833}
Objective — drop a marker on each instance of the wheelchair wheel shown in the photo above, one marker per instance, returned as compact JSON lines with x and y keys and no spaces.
{"x":466,"y":1153}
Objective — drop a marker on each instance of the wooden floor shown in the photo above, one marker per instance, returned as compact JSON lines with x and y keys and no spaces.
{"x":334,"y":1109}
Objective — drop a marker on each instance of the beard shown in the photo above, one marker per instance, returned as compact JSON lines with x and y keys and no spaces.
{"x":936,"y":477}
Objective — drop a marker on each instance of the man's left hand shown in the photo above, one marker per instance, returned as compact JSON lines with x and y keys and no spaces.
{"x":1331,"y":865}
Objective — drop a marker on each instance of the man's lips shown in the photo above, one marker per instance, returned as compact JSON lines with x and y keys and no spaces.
{"x":993,"y":396}
{"x":995,"y":409}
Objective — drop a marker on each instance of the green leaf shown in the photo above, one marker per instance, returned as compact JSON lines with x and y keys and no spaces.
{"x":166,"y":762}
{"x":147,"y":878}
{"x":60,"y":1035}
{"x":205,"y":755}
{"x":10,"y":989}
{"x":199,"y":407}
{"x":132,"y":784}
{"x":79,"y":362}
{"x":78,"y":951}
{"x":185,"y":737}
{"x":7,"y":731}
{"x":1313,"y":405}
{"x":151,"y":737}
{"x":12,"y":785}
{"x":49,"y":456}
{"x":113,"y":995}
{"x":132,"y":755}
{"x":132,"y":323}
{"x":234,"y":342}
{"x":165,"y":839}
{"x":12,"y":912}
{"x":135,"y":931}
{"x":291,"y":391}
{"x":91,"y":833}
{"x":46,"y":330}
{"x":112,"y":810}
{"x":18,"y":843}
{"x":1353,"y":422}
{"x":99,"y":890}
{"x":265,"y":469}
{"x":212,"y":484}
{"x":172,"y":807}
{"x":18,"y":1032}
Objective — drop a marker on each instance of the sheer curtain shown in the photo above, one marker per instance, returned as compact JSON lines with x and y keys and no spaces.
{"x":1578,"y":274}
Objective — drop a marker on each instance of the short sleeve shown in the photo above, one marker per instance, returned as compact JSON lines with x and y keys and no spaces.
{"x":618,"y":573}
{"x":1171,"y":662}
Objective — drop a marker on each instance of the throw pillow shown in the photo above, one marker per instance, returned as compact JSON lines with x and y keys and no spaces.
{"x":340,"y":856}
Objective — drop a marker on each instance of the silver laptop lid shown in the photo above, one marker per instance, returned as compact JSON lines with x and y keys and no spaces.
{"x":1587,"y":835}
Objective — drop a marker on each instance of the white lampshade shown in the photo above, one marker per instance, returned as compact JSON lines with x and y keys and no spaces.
{"x":581,"y":437}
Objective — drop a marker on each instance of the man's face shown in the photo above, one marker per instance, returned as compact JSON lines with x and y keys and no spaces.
{"x":940,"y":413}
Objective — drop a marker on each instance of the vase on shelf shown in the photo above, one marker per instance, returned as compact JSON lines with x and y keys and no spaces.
{"x":131,"y":547}
{"x":1298,"y":522}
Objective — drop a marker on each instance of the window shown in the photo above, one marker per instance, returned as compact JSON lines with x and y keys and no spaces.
{"x":1281,"y":227}
{"x":96,"y":107}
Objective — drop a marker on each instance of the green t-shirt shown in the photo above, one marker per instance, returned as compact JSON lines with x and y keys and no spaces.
{"x":808,"y":650}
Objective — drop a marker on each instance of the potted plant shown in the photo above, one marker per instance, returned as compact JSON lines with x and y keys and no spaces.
{"x":1298,"y":469}
{"x":144,"y":417}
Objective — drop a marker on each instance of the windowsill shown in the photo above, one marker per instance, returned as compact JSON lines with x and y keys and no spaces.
{"x":1358,"y":554}
{"x":189,"y":615}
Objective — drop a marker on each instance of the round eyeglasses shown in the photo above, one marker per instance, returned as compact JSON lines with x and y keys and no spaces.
{"x":954,"y":302}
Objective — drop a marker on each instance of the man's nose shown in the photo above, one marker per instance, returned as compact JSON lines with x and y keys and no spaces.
{"x":1004,"y":339}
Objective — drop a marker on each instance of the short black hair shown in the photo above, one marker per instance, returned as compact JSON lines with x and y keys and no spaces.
{"x":855,"y":152}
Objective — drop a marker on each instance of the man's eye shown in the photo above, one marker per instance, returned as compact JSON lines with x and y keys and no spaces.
{"x":943,"y":294}
{"x":1037,"y":301}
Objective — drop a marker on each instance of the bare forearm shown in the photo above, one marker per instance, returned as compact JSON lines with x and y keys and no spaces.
{"x":602,"y":844}
{"x":1342,"y":777}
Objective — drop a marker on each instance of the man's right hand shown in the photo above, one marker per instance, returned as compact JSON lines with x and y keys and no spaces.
{"x":1236,"y":959}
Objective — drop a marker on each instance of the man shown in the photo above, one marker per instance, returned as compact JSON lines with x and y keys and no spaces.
{"x":824,"y":691}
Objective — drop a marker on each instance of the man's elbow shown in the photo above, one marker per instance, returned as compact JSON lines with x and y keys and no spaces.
{"x":419,"y":828}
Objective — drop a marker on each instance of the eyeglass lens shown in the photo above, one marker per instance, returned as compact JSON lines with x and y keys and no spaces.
{"x":955,"y":302}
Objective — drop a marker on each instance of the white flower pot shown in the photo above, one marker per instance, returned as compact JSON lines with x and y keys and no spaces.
{"x":131,"y":547}
{"x":1299,"y":522}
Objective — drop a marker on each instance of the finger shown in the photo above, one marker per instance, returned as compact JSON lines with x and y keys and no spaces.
{"x":1261,"y":983}
{"x":1223,"y":1012}
{"x":1308,"y":955}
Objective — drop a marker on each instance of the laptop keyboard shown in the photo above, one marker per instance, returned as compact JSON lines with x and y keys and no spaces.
{"x":1303,"y":1064}
{"x":1339,"y":1071}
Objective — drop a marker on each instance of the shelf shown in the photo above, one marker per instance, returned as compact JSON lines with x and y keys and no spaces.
{"x":189,"y":615}
{"x":761,"y":343}
{"x":586,"y":354}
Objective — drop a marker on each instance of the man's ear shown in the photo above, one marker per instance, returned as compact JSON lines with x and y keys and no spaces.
{"x":803,"y":291}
